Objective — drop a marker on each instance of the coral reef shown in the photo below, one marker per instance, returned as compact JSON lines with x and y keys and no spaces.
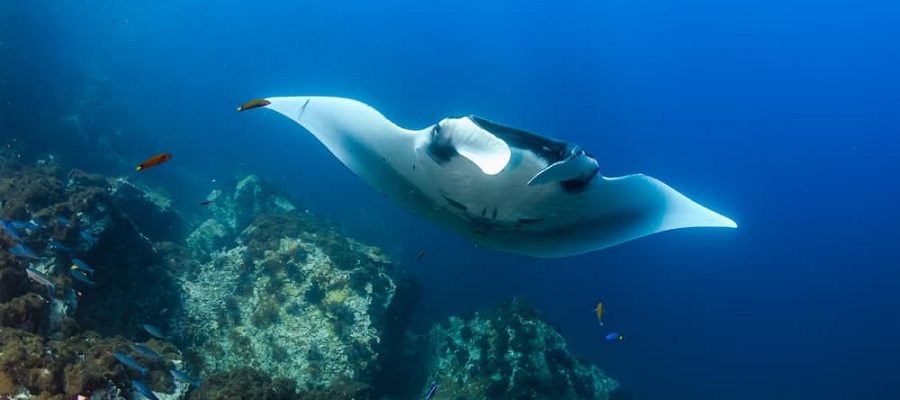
{"x":289,"y":297}
{"x":508,"y":352}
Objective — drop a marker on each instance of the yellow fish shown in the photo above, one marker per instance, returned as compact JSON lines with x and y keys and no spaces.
{"x":600,"y":313}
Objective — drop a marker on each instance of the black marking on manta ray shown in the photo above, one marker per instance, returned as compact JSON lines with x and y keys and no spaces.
{"x":303,"y":108}
{"x":484,"y":211}
{"x":455,"y":203}
{"x":494,"y":214}
{"x":440,"y":150}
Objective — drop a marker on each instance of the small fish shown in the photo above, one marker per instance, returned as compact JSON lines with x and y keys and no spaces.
{"x":19,"y":225}
{"x":10,"y":230}
{"x":130,"y":363}
{"x":64,"y":221}
{"x":21,"y":251}
{"x":599,"y":311}
{"x":154,"y":331}
{"x":256,"y":103}
{"x":41,"y":279}
{"x":181,"y":376}
{"x":147,"y":351}
{"x":78,"y":264}
{"x":59,"y":246}
{"x":421,"y":254}
{"x":141,"y":387}
{"x":614,"y":337}
{"x":81,"y":276}
{"x":153,"y":161}
{"x":205,"y":203}
{"x":431,"y":392}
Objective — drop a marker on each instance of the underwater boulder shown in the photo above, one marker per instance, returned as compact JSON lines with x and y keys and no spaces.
{"x":507,"y":352}
{"x":238,"y":207}
{"x":208,"y":238}
{"x":292,"y":298}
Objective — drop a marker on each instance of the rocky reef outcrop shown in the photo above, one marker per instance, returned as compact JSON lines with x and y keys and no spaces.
{"x":288,"y":296}
{"x":508,"y":352}
{"x":77,"y":271}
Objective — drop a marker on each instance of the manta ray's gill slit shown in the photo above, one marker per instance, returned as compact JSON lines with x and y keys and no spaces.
{"x":456,"y":204}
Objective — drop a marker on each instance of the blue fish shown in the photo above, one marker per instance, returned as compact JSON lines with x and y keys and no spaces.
{"x":78,"y":264}
{"x":21,"y":251}
{"x":614,"y":337}
{"x":153,"y":331}
{"x":19,"y":225}
{"x":141,"y":387}
{"x":130,"y":363}
{"x":80,"y":277}
{"x":59,"y":246}
{"x":9,"y":229}
{"x":431,"y":392}
{"x":181,"y":376}
{"x":64,"y":221}
{"x":147,"y":351}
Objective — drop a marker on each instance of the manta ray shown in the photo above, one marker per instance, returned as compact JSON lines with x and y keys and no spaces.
{"x":501,"y":187}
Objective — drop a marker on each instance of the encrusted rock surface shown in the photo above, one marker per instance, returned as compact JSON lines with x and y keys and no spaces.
{"x":508,"y":352}
{"x":288,"y":297}
{"x":56,"y":342}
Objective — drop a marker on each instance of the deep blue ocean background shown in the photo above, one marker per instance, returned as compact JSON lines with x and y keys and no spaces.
{"x":783,"y":115}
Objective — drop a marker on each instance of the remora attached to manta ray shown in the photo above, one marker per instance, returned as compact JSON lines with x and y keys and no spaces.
{"x":500,"y":187}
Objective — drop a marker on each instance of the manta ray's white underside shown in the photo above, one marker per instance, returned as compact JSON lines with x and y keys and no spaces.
{"x":501,"y":188}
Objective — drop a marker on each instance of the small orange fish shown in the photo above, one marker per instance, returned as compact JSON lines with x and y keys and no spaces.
{"x":256,"y":103}
{"x":154,"y":161}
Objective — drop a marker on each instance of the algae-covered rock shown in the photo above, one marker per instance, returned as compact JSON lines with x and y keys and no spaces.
{"x":280,"y":301}
{"x":509,"y":352}
{"x":34,"y":367}
{"x":106,"y":223}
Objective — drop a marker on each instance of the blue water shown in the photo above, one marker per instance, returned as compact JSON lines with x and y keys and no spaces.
{"x":780,"y":114}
